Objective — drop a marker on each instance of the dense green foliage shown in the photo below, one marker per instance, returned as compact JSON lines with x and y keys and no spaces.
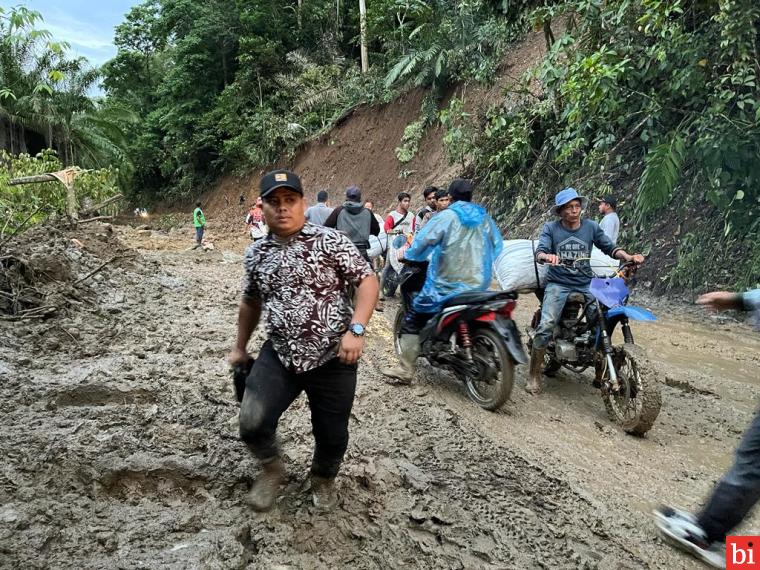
{"x":234,"y":84}
{"x":657,"y":100}
{"x":654,"y":100}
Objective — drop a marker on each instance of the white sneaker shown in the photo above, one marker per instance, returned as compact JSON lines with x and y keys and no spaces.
{"x":682,"y":529}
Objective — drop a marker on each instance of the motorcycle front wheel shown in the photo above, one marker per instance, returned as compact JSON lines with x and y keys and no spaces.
{"x":397,"y":322}
{"x":637,"y":404}
{"x":492,"y":385}
{"x":388,"y":281}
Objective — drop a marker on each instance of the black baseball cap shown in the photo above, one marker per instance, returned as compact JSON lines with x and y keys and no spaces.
{"x":609,"y":199}
{"x":279,"y":179}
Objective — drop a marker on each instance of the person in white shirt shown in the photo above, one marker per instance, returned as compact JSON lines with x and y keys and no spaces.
{"x":610,"y":223}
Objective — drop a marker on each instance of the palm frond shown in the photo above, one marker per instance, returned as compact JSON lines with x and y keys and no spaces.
{"x":662,"y":173}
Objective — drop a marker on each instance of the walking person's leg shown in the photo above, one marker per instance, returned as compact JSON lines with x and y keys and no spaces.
{"x":270,"y":389}
{"x":738,"y":491}
{"x":330,"y":389}
{"x":733,"y":498}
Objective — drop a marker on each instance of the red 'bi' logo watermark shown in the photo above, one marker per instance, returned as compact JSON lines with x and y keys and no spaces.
{"x":742,"y":552}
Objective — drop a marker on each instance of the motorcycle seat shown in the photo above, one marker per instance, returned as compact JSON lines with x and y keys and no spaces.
{"x":473,"y":297}
{"x":576,"y":298}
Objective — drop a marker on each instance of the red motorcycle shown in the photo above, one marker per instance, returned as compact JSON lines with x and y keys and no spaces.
{"x":473,"y":335}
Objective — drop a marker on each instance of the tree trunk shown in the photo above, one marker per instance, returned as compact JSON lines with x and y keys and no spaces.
{"x":71,"y":201}
{"x":3,"y":135}
{"x":548,"y":34}
{"x":22,"y":148}
{"x":49,"y":139}
{"x":224,"y":64}
{"x":363,"y":30}
{"x":298,"y":14}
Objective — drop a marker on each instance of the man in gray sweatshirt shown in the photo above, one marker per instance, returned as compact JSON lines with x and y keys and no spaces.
{"x":569,"y":238}
{"x":354,"y":220}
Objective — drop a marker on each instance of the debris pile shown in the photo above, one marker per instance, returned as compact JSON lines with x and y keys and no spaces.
{"x":46,"y":270}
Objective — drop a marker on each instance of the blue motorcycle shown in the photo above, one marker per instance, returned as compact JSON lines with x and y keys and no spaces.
{"x":583,"y":338}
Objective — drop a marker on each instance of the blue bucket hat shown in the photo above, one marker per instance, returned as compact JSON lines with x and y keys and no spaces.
{"x":565,"y":196}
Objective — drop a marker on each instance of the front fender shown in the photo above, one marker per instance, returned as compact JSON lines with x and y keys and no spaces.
{"x":632,"y":312}
{"x":508,"y":331}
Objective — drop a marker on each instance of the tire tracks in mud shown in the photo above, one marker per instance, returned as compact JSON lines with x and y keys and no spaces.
{"x":124,"y":453}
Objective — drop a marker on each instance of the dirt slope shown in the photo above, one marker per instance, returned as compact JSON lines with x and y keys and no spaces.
{"x":360,"y":150}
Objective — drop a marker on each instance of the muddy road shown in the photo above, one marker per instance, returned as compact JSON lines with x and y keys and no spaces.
{"x":119,"y":443}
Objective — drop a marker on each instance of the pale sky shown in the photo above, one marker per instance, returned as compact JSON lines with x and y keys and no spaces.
{"x":86,"y":25}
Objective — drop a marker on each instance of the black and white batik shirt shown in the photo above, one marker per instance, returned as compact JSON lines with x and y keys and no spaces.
{"x":303,"y":282}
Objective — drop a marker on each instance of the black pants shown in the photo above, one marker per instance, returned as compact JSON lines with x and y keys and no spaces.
{"x":414,"y":322}
{"x":271,"y":389}
{"x":737,"y":491}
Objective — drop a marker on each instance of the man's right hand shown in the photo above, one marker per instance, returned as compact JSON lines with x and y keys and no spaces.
{"x":550,"y":259}
{"x":238,"y":356}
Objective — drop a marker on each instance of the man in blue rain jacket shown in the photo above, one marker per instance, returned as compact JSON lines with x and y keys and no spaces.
{"x":460,"y":244}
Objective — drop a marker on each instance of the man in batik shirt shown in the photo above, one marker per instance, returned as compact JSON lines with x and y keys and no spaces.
{"x":301,"y":272}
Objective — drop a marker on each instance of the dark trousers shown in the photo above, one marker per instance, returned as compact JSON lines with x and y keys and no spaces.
{"x":414,"y":322}
{"x":270,"y":390}
{"x":199,"y":235}
{"x":738,"y":491}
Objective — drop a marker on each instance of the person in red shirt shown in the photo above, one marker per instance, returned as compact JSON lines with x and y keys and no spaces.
{"x":255,"y":221}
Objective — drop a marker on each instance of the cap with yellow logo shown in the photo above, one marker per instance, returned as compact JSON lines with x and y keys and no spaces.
{"x":280,"y":179}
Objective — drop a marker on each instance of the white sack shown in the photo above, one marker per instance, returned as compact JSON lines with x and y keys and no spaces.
{"x":602,"y":265}
{"x":377,"y":245}
{"x":515,"y":267}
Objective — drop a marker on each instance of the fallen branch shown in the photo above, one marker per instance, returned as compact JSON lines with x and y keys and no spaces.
{"x":111,"y":200}
{"x":95,"y":219}
{"x":71,"y":336}
{"x":32,"y":179}
{"x":100,"y":267}
{"x":35,"y":313}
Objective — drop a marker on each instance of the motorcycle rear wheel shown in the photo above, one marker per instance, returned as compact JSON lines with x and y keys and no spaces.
{"x":636,"y":406}
{"x":493,"y":385}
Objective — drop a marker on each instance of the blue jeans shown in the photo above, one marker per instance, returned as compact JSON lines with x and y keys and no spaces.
{"x":555,"y":295}
{"x":737,"y":491}
{"x":199,"y":235}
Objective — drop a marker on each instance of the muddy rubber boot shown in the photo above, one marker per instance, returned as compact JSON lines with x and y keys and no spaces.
{"x":533,"y":384}
{"x":264,"y":491}
{"x":323,"y":493}
{"x":410,"y":350}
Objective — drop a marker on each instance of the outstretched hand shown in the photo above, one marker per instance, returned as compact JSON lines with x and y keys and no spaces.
{"x":720,"y":300}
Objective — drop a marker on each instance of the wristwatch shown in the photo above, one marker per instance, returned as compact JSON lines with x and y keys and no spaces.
{"x":357,"y":329}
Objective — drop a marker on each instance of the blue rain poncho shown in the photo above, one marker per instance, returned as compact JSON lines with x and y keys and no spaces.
{"x":461,"y":244}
